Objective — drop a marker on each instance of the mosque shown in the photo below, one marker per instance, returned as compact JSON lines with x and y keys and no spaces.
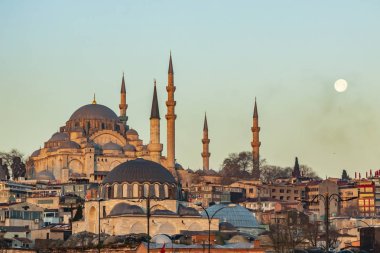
{"x":95,"y":140}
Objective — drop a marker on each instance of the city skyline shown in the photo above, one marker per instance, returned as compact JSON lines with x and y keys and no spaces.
{"x":55,"y":57}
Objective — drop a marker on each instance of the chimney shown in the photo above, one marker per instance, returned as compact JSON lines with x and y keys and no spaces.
{"x":370,"y":172}
{"x":356,"y":175}
{"x":366,"y":174}
{"x":360,"y":176}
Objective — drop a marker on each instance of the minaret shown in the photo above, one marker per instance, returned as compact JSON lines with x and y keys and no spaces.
{"x":170,"y":117}
{"x":255,"y":144}
{"x":123,"y":104}
{"x":154,"y":146}
{"x":205,"y":141}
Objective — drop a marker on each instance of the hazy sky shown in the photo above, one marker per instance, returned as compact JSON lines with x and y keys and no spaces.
{"x":55,"y":54}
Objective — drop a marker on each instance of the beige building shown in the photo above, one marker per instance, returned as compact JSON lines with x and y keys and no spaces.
{"x":349,"y":208}
{"x":125,"y":207}
{"x":317,"y":188}
{"x":253,"y":188}
{"x":22,"y":214}
{"x":287,"y":192}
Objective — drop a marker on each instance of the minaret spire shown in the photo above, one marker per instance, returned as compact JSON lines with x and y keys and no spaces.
{"x":154,"y":146}
{"x":171,"y":117}
{"x":205,"y":141}
{"x":155,"y":112}
{"x":94,"y":100}
{"x":123,"y":104}
{"x":255,"y":144}
{"x":170,"y":71}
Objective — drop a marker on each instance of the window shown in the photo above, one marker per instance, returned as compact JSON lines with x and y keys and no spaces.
{"x":157,"y":190}
{"x":281,"y":190}
{"x":273,"y":190}
{"x":135,"y":191}
{"x":115,"y":190}
{"x":146,"y":190}
{"x":166,"y":189}
{"x":125,"y":190}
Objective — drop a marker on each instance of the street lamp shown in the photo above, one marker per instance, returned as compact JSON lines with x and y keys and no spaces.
{"x":210,"y":220}
{"x":327,"y":198}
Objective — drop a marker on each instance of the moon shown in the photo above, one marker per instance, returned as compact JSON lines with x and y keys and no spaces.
{"x":341,"y":85}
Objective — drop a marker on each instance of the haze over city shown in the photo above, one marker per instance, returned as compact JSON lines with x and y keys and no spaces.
{"x":287,"y":54}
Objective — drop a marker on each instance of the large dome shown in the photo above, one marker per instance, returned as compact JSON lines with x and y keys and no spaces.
{"x":140,"y":171}
{"x":94,"y":111}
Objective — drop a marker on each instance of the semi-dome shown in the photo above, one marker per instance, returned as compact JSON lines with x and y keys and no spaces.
{"x":124,"y":208}
{"x":226,"y":226}
{"x":129,"y":147}
{"x":58,"y":136}
{"x":238,"y":216}
{"x":111,"y":146}
{"x":132,"y":132}
{"x":45,"y":175}
{"x":94,"y":111}
{"x":36,"y":153}
{"x":69,"y":144}
{"x":141,"y":171}
{"x":187,"y":211}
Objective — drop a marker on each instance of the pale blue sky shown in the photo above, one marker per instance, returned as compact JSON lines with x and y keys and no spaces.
{"x":55,"y":54}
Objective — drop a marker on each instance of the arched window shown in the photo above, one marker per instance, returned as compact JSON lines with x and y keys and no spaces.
{"x":129,"y":191}
{"x":166,"y":189}
{"x":125,"y":190}
{"x":146,"y":190}
{"x":157,"y":190}
{"x":135,"y":191}
{"x":115,"y":190}
{"x":109,"y":192}
{"x":162,"y":192}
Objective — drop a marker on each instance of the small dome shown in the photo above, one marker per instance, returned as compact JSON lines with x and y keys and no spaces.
{"x":94,"y":111}
{"x":111,"y":146}
{"x":129,"y":147}
{"x":132,"y":132}
{"x":124,"y":208}
{"x":178,"y":166}
{"x":187,"y":211}
{"x":141,"y":171}
{"x":225,"y":226}
{"x":59,"y":137}
{"x":238,"y":216}
{"x":36,"y":153}
{"x":162,"y":212}
{"x":45,"y":175}
{"x":69,"y":144}
{"x":238,"y":239}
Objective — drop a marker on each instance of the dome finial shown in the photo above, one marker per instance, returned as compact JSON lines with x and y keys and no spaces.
{"x":94,"y":101}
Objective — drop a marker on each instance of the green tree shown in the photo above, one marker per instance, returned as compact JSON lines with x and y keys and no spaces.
{"x":345,"y":175}
{"x":79,"y":214}
{"x":237,"y":166}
